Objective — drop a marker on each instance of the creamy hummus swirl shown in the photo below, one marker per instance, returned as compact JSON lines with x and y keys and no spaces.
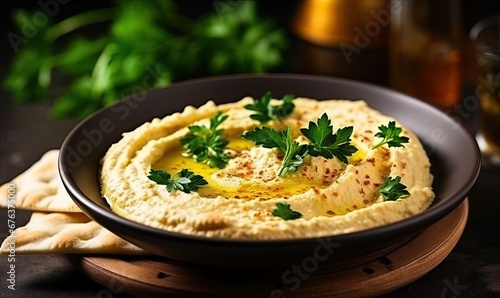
{"x":333,"y":197}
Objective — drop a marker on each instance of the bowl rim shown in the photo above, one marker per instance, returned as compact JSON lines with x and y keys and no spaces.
{"x":430,"y":214}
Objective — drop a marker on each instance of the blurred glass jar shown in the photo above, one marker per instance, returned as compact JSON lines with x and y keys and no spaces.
{"x":333,"y":22}
{"x":424,"y":50}
{"x":485,"y":36}
{"x":344,"y":38}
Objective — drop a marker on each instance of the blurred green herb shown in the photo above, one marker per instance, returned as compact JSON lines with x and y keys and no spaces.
{"x":147,"y":44}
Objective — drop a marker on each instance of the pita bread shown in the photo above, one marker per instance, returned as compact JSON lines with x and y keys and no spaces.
{"x":40,"y":188}
{"x":68,"y":233}
{"x":66,"y":229}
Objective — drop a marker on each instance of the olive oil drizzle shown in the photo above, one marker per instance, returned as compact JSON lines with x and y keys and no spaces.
{"x":174,"y":161}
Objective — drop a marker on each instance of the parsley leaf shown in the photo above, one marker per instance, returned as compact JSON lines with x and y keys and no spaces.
{"x":267,"y":137}
{"x":284,"y":211}
{"x":185,"y":181}
{"x":324,"y":143}
{"x":206,"y":144}
{"x":294,"y":154}
{"x":390,"y":135}
{"x":266,"y":112}
{"x":270,"y":138}
{"x":393,"y":189}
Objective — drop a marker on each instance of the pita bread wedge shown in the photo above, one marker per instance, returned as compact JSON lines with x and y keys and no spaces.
{"x":68,"y":233}
{"x":40,"y":188}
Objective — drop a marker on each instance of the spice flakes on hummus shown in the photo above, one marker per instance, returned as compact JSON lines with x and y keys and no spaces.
{"x":247,"y":197}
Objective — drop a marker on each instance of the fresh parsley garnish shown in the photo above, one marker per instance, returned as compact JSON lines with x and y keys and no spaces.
{"x":393,"y":189}
{"x":282,"y":140}
{"x":185,"y":181}
{"x":206,"y":144}
{"x":294,"y":155}
{"x":323,"y":142}
{"x":266,"y":112}
{"x":390,"y":135}
{"x":284,"y":211}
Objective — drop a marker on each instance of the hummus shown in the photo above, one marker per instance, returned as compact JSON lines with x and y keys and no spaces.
{"x":238,"y":202}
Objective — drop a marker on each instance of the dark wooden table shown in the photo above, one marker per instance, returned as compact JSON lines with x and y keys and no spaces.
{"x":471,"y":270}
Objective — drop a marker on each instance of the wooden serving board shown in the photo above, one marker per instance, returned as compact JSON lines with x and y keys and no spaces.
{"x":154,"y":276}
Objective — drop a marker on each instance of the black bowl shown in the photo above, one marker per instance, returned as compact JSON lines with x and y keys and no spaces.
{"x":453,"y":152}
